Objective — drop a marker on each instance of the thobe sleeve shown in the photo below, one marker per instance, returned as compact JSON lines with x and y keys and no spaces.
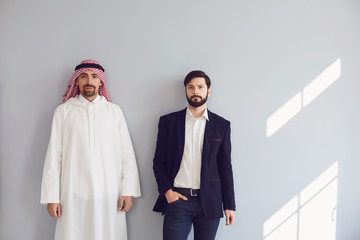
{"x":130,"y":184}
{"x":50,"y":187}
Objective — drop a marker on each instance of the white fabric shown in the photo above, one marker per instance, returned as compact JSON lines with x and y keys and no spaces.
{"x":190,"y":167}
{"x":84,"y":100}
{"x":89,"y":164}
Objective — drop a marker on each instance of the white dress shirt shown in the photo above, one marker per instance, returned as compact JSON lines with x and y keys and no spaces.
{"x":190,"y":167}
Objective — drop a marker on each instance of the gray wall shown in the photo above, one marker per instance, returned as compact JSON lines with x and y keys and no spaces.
{"x":259,"y":54}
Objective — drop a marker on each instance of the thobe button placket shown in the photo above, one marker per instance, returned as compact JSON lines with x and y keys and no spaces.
{"x":91,"y":127}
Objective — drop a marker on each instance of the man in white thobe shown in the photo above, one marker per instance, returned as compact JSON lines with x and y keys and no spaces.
{"x":90,"y":174}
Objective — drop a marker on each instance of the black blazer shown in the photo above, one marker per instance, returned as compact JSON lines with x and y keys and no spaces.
{"x":217,"y":185}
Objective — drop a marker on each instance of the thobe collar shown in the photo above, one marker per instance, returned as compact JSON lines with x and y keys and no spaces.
{"x":204,"y":115}
{"x":85,"y":101}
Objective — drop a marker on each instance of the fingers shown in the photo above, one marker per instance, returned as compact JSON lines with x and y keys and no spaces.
{"x":178,"y":196}
{"x":121,"y":203}
{"x":172,"y":196}
{"x":125,"y":203}
{"x":50,"y":212}
{"x":227,"y":219}
{"x":58,"y":211}
{"x":127,"y":206}
{"x":182,"y":197}
{"x":230,"y":217}
{"x":54,"y":209}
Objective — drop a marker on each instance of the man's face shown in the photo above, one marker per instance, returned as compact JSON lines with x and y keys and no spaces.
{"x":197,"y":92}
{"x":89,"y":83}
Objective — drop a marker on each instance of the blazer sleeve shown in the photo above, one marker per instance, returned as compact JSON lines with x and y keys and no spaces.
{"x":160,"y":158}
{"x":226,"y":173}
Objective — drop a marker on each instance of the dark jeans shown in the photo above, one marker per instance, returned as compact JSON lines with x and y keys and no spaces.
{"x":180,"y":215}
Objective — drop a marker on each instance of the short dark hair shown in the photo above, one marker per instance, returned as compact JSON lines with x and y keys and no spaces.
{"x":195,"y":74}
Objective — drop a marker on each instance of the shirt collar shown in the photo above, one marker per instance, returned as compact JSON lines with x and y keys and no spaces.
{"x":204,"y":115}
{"x":84,"y":100}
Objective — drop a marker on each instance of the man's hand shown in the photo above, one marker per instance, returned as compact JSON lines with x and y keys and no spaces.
{"x":230,"y":217}
{"x":125,"y":203}
{"x":172,"y":196}
{"x":54,"y":209}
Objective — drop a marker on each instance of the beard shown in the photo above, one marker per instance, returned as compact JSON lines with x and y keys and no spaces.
{"x":197,"y":103}
{"x":89,"y":93}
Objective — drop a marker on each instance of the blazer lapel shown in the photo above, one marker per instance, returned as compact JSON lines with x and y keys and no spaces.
{"x":181,"y":132}
{"x":206,"y":139}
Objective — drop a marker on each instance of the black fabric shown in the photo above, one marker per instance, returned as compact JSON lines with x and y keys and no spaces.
{"x":89,"y":65}
{"x":187,"y":191}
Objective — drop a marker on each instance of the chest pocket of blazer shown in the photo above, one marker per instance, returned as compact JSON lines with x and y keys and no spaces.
{"x":214,"y":143}
{"x":216,"y":140}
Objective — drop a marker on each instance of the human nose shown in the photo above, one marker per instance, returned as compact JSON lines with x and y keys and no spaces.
{"x":90,"y":80}
{"x":196,"y":91}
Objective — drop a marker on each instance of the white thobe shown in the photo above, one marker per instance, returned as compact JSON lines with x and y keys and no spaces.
{"x":90,"y":163}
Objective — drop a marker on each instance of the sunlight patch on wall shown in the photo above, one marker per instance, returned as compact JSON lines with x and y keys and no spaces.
{"x":322,"y":82}
{"x":283,"y":224}
{"x":284,"y":114}
{"x":293,"y":106}
{"x":310,"y":215}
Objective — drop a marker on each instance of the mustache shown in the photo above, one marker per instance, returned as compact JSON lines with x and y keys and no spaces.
{"x":195,"y":97}
{"x":88,"y":85}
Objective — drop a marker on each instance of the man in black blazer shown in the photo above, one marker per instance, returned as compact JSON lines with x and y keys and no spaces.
{"x":192,"y":166}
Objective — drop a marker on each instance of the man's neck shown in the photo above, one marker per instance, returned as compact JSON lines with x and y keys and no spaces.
{"x":90,"y":99}
{"x":197,"y":111}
